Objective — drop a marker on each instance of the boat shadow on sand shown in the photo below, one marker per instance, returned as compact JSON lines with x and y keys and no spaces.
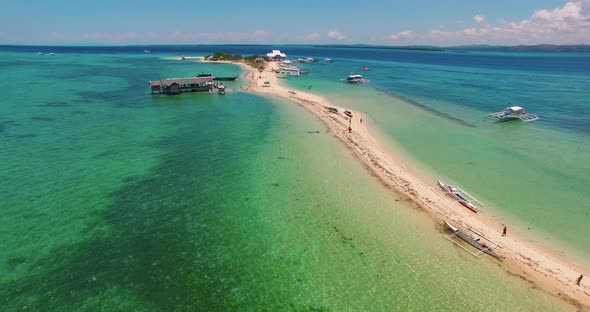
{"x":428,"y":109}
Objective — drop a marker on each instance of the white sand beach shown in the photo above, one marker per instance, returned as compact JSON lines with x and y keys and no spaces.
{"x":537,"y":264}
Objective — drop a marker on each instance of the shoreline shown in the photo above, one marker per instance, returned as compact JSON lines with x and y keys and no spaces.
{"x":539,"y":265}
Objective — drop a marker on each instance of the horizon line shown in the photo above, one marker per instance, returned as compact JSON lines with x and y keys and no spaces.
{"x":291,"y":44}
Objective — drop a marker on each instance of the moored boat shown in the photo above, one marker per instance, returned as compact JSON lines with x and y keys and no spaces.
{"x":289,"y":70}
{"x":478,"y":243}
{"x":225,"y":78}
{"x":458,"y":194}
{"x":513,"y":113}
{"x":355,"y":79}
{"x":221,"y":89}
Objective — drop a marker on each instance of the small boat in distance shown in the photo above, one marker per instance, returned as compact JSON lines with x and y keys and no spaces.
{"x":328,"y":60}
{"x":51,"y":54}
{"x":458,"y":194}
{"x":289,"y":70}
{"x":355,"y":79}
{"x":513,"y":113}
{"x":147,"y":51}
{"x":480,"y":245}
{"x":365,"y":68}
{"x":305,"y":60}
{"x":221,"y":89}
{"x":225,"y":78}
{"x":40,"y":53}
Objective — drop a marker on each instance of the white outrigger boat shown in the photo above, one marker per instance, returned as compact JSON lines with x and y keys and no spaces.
{"x":458,"y":194}
{"x":355,"y":79}
{"x":221,"y":89}
{"x":513,"y":113}
{"x":286,"y":68}
{"x":480,"y":245}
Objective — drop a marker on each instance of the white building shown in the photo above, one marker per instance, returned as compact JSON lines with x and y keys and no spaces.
{"x":276,"y":55}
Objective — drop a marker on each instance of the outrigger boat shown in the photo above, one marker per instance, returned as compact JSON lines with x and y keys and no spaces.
{"x":355,"y":79}
{"x":513,"y":113}
{"x":458,"y":194}
{"x":232,"y":78}
{"x":480,"y":245}
{"x":221,"y":89}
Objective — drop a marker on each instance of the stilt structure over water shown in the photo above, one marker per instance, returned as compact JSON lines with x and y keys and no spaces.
{"x":173,"y":86}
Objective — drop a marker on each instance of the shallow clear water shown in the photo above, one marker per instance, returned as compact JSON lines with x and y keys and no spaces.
{"x":117,"y":200}
{"x":531,"y":175}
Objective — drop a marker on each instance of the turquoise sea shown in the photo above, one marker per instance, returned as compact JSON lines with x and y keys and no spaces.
{"x":116,"y":200}
{"x":534,"y":176}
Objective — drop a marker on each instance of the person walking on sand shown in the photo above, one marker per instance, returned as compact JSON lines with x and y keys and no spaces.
{"x":349,"y":129}
{"x":579,"y":280}
{"x":504,"y":231}
{"x":361,"y":120}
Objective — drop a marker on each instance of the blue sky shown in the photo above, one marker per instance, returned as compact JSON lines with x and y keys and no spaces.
{"x":374,"y":22}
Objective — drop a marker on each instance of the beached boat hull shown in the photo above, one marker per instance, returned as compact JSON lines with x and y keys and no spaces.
{"x":458,"y":197}
{"x":475,"y":242}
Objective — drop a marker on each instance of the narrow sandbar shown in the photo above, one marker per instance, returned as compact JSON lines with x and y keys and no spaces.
{"x":540,"y":265}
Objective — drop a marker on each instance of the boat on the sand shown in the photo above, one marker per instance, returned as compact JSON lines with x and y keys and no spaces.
{"x":476,"y":242}
{"x":458,"y":194}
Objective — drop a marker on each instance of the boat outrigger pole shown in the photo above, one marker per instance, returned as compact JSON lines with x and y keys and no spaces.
{"x":463,"y":247}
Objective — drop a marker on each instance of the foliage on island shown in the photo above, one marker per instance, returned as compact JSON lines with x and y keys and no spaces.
{"x":253,"y":60}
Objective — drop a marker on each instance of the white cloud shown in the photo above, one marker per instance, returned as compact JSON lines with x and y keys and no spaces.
{"x":569,"y":24}
{"x":406,"y":34}
{"x":479,"y":18}
{"x":304,"y":37}
{"x":151,"y":37}
{"x":259,"y":33}
{"x":313,"y":36}
{"x":336,"y":34}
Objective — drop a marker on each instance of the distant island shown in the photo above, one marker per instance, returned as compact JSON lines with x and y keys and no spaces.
{"x":430,"y":48}
{"x":426,"y":48}
{"x":534,"y":48}
{"x":366,"y":46}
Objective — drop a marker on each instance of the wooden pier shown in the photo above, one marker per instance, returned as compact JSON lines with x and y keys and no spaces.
{"x":172,"y":86}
